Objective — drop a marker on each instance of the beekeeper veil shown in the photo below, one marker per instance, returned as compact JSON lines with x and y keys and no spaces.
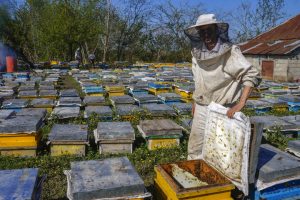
{"x":193,"y":33}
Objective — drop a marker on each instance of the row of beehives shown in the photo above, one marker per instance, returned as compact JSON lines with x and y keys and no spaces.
{"x":112,"y":137}
{"x":282,"y":102}
{"x":118,"y":106}
{"x":116,"y":178}
{"x":113,"y":178}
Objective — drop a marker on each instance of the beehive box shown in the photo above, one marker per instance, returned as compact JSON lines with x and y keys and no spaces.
{"x":68,"y":139}
{"x":169,"y":98}
{"x":20,"y":140}
{"x":159,"y":110}
{"x":69,"y":102}
{"x":259,"y":106}
{"x":28,"y":94}
{"x":113,"y":178}
{"x":69,"y":93}
{"x":277,"y":105}
{"x":66,"y":112}
{"x":114,"y":137}
{"x":172,"y":182}
{"x":15,"y":104}
{"x":274,"y":168}
{"x":183,"y":108}
{"x":104,"y":112}
{"x":162,"y":133}
{"x":47,"y":87}
{"x":19,"y":184}
{"x":94,"y":101}
{"x":43,"y":103}
{"x":126,"y":99}
{"x":145,"y":98}
{"x":127,"y":111}
{"x":51,"y":94}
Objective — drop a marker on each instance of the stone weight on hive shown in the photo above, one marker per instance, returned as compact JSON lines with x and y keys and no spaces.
{"x":68,"y":139}
{"x":114,"y":137}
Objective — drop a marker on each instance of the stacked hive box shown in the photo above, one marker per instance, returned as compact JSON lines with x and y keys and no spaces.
{"x":114,"y":137}
{"x":113,"y":178}
{"x":161,"y":133}
{"x":68,"y":139}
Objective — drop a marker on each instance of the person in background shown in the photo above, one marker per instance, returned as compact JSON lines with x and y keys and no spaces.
{"x":78,"y":56}
{"x":221,"y":74}
{"x":92,"y":58}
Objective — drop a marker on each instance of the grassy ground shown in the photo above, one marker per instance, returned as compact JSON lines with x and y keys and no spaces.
{"x":144,"y":160}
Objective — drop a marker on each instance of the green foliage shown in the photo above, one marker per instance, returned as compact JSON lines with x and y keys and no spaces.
{"x":276,"y":138}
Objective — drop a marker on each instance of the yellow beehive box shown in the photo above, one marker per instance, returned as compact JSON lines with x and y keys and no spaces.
{"x":169,"y":182}
{"x":158,"y":91}
{"x":113,"y":94}
{"x":153,"y":144}
{"x":18,"y":140}
{"x":18,"y":151}
{"x":67,"y":148}
{"x":96,"y":95}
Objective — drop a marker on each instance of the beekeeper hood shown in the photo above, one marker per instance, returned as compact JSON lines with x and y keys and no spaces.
{"x":194,"y":35}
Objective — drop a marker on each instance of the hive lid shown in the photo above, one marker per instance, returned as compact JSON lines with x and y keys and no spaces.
{"x":115,"y":131}
{"x":66,"y":112}
{"x":18,"y":183}
{"x":226,"y":144}
{"x":275,"y":166}
{"x":113,"y":177}
{"x":160,"y":127}
{"x":91,"y":100}
{"x":102,"y":111}
{"x":68,"y":132}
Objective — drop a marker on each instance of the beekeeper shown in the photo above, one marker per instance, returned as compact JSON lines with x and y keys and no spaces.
{"x":221,"y":74}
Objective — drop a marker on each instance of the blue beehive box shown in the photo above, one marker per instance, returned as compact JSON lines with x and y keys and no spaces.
{"x":19,"y":184}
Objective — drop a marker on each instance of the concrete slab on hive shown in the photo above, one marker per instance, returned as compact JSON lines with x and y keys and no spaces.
{"x":69,"y":93}
{"x":68,"y":132}
{"x":102,"y":111}
{"x":5,"y":114}
{"x":274,"y":164}
{"x":183,"y":108}
{"x":125,"y":110}
{"x":39,"y":113}
{"x":21,"y":124}
{"x":15,"y":103}
{"x":160,"y":127}
{"x":42,"y":102}
{"x":66,"y":112}
{"x":115,"y":131}
{"x":90,"y":100}
{"x":113,"y":177}
{"x":125,"y":99}
{"x":69,"y":101}
{"x":159,"y":109}
{"x":43,"y":93}
{"x":18,"y":183}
